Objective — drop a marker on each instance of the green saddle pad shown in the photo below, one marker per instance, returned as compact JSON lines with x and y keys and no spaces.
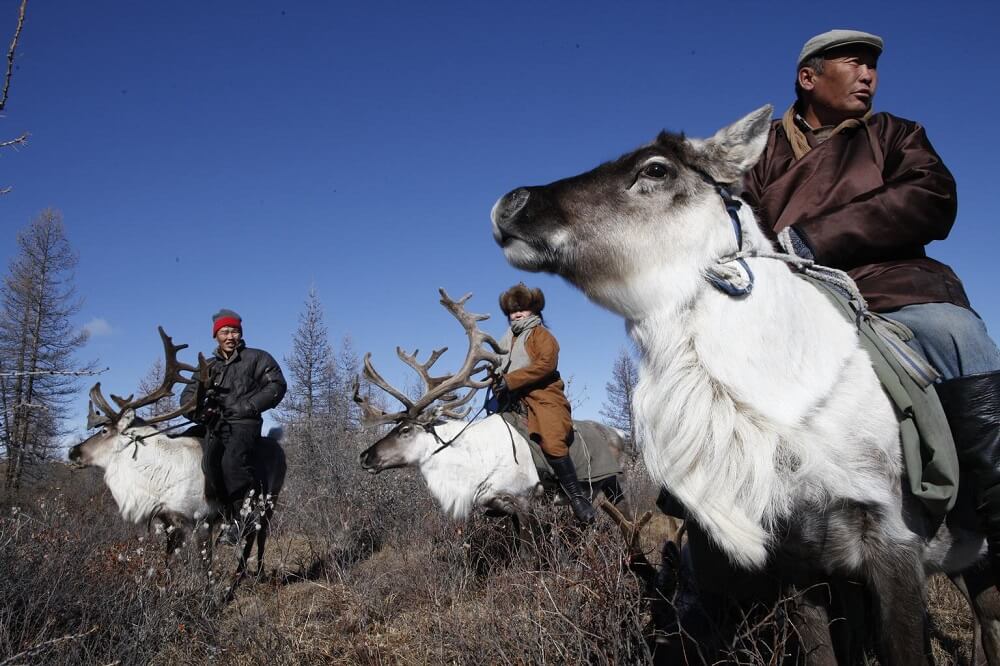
{"x":929,"y":457}
{"x":592,"y":452}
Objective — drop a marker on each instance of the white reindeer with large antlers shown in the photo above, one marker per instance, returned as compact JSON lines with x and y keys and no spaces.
{"x":479,"y":464}
{"x":153,"y":476}
{"x":760,"y":412}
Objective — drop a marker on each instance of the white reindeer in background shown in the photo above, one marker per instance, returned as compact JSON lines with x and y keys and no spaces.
{"x":761,"y":414}
{"x":480,"y":464}
{"x":155,"y":477}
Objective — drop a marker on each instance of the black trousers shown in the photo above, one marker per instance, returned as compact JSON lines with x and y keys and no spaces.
{"x":228,"y":462}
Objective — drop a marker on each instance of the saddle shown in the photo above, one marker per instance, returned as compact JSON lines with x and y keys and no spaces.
{"x":591,"y":451}
{"x":930,"y":462}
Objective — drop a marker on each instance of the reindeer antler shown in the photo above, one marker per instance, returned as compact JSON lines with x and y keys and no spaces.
{"x":171,"y":375}
{"x":371,"y":415}
{"x":445,"y":388}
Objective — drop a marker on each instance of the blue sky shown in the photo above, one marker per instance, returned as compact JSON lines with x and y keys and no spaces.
{"x":231,"y":154}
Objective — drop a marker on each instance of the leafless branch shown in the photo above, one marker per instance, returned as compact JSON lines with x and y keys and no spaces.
{"x":67,"y":373}
{"x":19,"y":141}
{"x":10,"y":55}
{"x":46,"y":644}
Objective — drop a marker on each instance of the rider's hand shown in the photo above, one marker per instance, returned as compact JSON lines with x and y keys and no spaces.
{"x":206,"y":416}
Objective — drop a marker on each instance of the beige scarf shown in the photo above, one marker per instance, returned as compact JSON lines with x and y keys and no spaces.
{"x":798,"y":139}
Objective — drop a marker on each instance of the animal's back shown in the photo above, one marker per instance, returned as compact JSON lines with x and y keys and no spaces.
{"x":269,"y":460}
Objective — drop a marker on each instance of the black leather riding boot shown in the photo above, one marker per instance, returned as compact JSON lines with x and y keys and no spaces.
{"x":566,"y":473}
{"x":972,"y":405}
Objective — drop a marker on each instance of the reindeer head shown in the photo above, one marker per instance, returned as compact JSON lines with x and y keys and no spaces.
{"x":113,"y":423}
{"x":407,"y":443}
{"x":602,"y":228}
{"x":98,"y":448}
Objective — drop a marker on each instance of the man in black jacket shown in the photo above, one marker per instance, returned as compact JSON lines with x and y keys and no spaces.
{"x":243,"y":384}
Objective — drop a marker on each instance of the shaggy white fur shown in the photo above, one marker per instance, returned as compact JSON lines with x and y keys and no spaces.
{"x":151,"y":476}
{"x":738,"y":412}
{"x":475,"y":469}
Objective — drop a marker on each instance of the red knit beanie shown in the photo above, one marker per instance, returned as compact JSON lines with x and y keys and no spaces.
{"x":224,"y":318}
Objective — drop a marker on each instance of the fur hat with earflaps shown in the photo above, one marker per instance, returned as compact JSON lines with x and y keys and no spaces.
{"x":521,"y":297}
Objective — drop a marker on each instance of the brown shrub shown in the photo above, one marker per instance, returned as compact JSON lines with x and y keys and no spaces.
{"x":362,"y":570}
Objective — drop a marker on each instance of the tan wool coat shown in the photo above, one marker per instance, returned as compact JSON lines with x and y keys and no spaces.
{"x":541,"y":389}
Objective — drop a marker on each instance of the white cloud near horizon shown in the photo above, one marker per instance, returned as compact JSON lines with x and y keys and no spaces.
{"x":98,"y":326}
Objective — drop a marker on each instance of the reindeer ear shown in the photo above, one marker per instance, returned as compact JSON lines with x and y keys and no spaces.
{"x":735,"y":149}
{"x":125,"y":422}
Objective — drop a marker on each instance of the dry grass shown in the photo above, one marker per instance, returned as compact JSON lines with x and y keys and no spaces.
{"x":360,"y":570}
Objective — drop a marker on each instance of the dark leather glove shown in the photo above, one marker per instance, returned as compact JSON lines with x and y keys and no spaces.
{"x":502,"y":393}
{"x":205,"y":416}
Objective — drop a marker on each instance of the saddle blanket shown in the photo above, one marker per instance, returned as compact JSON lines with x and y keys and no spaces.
{"x":591,"y":451}
{"x":929,"y":458}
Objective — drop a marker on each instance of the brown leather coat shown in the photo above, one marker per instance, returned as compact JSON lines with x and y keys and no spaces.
{"x":541,"y":389}
{"x":866,"y":201}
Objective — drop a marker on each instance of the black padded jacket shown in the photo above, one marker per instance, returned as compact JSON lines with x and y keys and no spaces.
{"x":245,"y":385}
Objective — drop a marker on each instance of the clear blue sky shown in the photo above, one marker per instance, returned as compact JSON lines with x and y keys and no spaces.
{"x":210,"y":154}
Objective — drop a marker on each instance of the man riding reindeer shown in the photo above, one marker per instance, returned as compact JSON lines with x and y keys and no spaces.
{"x":866,"y":192}
{"x":529,"y":376}
{"x":242,"y":384}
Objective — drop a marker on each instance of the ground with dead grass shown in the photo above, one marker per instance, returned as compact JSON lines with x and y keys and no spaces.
{"x":361,"y":571}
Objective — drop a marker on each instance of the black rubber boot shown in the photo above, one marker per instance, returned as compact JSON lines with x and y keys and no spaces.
{"x":566,"y":473}
{"x":972,"y":405}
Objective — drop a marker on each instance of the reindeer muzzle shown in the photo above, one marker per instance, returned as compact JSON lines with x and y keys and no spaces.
{"x":510,"y":205}
{"x":369,"y":461}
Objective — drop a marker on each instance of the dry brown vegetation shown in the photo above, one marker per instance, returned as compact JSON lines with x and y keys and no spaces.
{"x":361,"y":570}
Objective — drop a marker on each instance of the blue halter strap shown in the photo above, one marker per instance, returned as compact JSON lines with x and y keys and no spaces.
{"x":733,"y":206}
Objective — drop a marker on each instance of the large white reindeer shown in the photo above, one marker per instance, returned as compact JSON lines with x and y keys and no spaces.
{"x":156,"y":477}
{"x":761,"y":413}
{"x":481,"y":464}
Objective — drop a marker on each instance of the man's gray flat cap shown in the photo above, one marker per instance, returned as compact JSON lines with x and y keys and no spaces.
{"x":834,"y":38}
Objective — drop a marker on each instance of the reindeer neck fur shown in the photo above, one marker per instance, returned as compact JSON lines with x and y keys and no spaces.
{"x":154,"y":475}
{"x":727,"y":385}
{"x":476,"y":466}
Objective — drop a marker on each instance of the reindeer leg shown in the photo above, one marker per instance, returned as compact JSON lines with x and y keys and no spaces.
{"x":519,"y":510}
{"x":811,"y":618}
{"x":262,"y":534}
{"x":241,"y":568}
{"x":175,"y":540}
{"x":892,"y":563}
{"x":985,"y":602}
{"x":978,"y":657}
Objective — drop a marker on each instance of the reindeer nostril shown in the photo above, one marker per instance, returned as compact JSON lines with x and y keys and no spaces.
{"x":513,"y":203}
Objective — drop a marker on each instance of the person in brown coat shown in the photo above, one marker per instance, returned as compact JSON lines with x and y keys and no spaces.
{"x":530,"y":375}
{"x":866,"y":192}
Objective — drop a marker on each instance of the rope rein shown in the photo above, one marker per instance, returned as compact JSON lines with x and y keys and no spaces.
{"x":136,"y":440}
{"x":891,"y":333}
{"x":445,"y":444}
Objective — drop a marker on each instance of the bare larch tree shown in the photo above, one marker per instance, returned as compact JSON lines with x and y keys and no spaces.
{"x":38,"y":344}
{"x":147,"y":385}
{"x":617,"y":409}
{"x":312,"y":373}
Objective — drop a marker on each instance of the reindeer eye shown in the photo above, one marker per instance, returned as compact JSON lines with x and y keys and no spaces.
{"x":656,"y":170}
{"x":405,"y":429}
